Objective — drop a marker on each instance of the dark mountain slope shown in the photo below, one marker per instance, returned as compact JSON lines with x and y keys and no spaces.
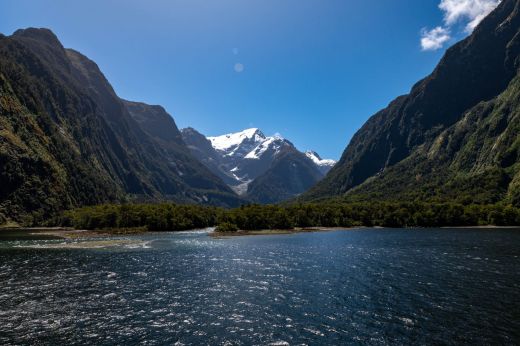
{"x":163,"y":131}
{"x":477,"y":69}
{"x":289,"y":174}
{"x":67,"y":140}
{"x":477,"y":160}
{"x":43,"y":168}
{"x":156,"y":122}
{"x":203,"y":151}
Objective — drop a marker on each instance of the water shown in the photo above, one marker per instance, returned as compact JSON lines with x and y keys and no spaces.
{"x":344,"y":287}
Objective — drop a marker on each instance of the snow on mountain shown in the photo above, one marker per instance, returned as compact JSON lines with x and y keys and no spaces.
{"x":324,"y":165}
{"x":318,"y":160}
{"x":239,"y":158}
{"x":252,"y":144}
{"x":248,"y":144}
{"x":229,"y":142}
{"x":274,"y":143}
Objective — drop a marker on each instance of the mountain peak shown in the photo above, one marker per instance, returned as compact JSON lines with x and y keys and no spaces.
{"x":189,"y":129}
{"x":252,"y":131}
{"x":39,"y":34}
{"x":324,"y":164}
{"x":232,"y":140}
{"x":312,"y":153}
{"x":243,"y":157}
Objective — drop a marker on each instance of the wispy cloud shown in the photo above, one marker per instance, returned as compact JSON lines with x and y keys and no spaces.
{"x":468,"y":12}
{"x":435,"y":38}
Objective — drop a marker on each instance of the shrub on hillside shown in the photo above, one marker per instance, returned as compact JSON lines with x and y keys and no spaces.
{"x":226,"y":227}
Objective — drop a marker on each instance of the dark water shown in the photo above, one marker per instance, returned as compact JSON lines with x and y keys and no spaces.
{"x":346,"y":287}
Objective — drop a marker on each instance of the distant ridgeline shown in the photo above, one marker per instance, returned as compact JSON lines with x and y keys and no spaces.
{"x":455,"y":137}
{"x":67,"y":140}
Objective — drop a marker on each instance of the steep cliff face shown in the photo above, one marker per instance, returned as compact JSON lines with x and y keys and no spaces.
{"x":474,"y":71}
{"x":476,"y":160}
{"x":66,"y":139}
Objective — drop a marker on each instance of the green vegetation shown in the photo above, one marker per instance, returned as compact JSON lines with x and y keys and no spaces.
{"x":66,"y":143}
{"x":226,"y":227}
{"x":447,"y":154}
{"x":453,"y":138}
{"x":172,"y":217}
{"x":155,"y":217}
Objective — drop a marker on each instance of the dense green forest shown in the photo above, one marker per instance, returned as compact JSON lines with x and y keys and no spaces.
{"x":172,"y":217}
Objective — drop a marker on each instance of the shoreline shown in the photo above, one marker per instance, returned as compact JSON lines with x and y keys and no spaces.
{"x":71,"y":233}
{"x":481,"y":227}
{"x":296,"y":230}
{"x":241,"y":233}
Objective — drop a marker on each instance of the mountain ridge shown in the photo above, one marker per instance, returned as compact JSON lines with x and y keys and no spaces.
{"x":245,"y":156}
{"x":472,"y":72}
{"x":67,"y":140}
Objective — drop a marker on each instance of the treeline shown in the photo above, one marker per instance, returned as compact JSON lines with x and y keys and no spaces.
{"x":155,"y":217}
{"x":172,"y":217}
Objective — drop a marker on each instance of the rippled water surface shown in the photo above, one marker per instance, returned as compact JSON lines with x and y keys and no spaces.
{"x":343,"y":287}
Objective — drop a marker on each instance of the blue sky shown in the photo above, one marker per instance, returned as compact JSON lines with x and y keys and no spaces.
{"x":311,"y":70}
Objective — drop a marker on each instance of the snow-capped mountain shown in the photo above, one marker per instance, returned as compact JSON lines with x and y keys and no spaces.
{"x":248,"y":144}
{"x":240,"y":158}
{"x":324,"y":165}
{"x":244,"y":140}
{"x":249,"y":153}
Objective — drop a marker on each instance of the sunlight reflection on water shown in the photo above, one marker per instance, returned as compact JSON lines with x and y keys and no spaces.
{"x":366,"y":286}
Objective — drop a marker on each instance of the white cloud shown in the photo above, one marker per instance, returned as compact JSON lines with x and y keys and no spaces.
{"x":468,"y":12}
{"x":434,"y":39}
{"x":472,"y":11}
